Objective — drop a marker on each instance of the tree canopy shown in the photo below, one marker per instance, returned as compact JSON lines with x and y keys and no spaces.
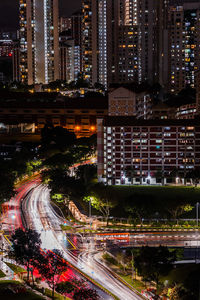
{"x":51,"y":266}
{"x":152,"y":263}
{"x":25,"y":246}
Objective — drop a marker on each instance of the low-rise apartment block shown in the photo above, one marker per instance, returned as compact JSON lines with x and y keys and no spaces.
{"x":132,"y":151}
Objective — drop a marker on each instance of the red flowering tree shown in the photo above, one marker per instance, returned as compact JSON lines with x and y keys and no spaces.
{"x":51,"y":266}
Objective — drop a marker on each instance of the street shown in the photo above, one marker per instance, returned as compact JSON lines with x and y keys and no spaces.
{"x":33,"y":210}
{"x":40,"y":216}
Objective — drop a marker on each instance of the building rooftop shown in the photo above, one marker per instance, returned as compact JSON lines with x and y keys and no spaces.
{"x":136,"y":88}
{"x":47,"y":100}
{"x":132,"y":121}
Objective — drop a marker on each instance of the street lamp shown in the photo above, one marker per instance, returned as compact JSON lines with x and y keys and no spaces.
{"x":197,"y":213}
{"x":90,"y":208}
{"x":132,"y":265}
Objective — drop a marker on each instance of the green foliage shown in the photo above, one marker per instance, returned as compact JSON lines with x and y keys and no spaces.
{"x":51,"y":266}
{"x":59,"y":160}
{"x":14,"y":290}
{"x":152,"y":263}
{"x":86,"y":173}
{"x":85,"y":147}
{"x":139,"y":205}
{"x":58,"y":137}
{"x":85,"y":294}
{"x":25,"y":246}
{"x":64,"y":287}
{"x":102,"y":199}
{"x":58,"y":197}
{"x":110,"y":259}
{"x":7,"y":179}
{"x":180,"y":292}
{"x":2,"y":274}
{"x":155,"y":202}
{"x":16,"y":269}
{"x":62,"y":184}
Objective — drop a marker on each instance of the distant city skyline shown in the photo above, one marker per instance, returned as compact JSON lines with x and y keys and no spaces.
{"x":9,"y":12}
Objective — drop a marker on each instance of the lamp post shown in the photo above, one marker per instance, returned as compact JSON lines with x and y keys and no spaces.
{"x":132,"y":265}
{"x":197,"y":213}
{"x":90,"y":212}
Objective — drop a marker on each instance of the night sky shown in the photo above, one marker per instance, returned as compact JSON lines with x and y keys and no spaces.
{"x":9,"y":11}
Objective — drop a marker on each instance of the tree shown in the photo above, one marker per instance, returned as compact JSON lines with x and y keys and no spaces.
{"x":102,"y":198}
{"x":84,"y":147}
{"x":67,"y":287}
{"x":176,"y":209}
{"x":7,"y":180}
{"x":139,"y":205}
{"x":38,"y":257}
{"x":152,"y":263}
{"x":64,"y":287}
{"x":86,"y":173}
{"x":51,"y":267}
{"x":121,"y":258}
{"x":59,"y":160}
{"x":85,"y":294}
{"x":134,"y":253}
{"x":180,"y":292}
{"x":25,"y":246}
{"x":131,"y":173}
{"x":59,"y":182}
{"x":159,"y":175}
{"x":81,"y":82}
{"x":99,"y":86}
{"x":192,"y":284}
{"x":57,"y":137}
{"x":195,"y":176}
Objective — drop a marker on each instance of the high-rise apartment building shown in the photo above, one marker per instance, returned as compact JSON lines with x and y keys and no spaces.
{"x":76,"y":32}
{"x":99,"y":40}
{"x":16,"y":62}
{"x":39,"y":42}
{"x":65,"y":24}
{"x":124,"y":41}
{"x":184,"y":47}
{"x":67,"y":63}
{"x":87,"y":39}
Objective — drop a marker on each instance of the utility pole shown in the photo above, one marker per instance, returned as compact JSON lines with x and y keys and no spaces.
{"x":197,"y":213}
{"x":90,"y":213}
{"x":132,"y":264}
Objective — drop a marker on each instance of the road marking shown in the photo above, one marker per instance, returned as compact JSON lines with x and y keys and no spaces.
{"x":72,"y":244}
{"x":6,"y":237}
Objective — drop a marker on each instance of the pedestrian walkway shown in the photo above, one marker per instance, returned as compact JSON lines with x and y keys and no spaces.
{"x":7,"y":271}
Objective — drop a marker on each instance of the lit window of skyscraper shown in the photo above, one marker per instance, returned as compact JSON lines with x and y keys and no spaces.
{"x":39,"y":48}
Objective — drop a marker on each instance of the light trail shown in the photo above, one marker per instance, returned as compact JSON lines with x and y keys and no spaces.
{"x":41,"y":216}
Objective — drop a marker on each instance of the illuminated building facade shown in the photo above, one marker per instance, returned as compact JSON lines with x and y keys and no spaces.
{"x":127,"y":66}
{"x":132,"y":151}
{"x":99,"y":33}
{"x":39,"y":43}
{"x":184,"y":45}
{"x":16,"y":62}
{"x":87,"y":46}
{"x":77,"y":115}
{"x":76,"y":30}
{"x":123,"y":40}
{"x":65,"y":24}
{"x":187,"y":111}
{"x":67,"y":63}
{"x":6,"y":48}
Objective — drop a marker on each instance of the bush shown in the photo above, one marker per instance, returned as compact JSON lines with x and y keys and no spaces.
{"x":64,"y":287}
{"x":85,"y":294}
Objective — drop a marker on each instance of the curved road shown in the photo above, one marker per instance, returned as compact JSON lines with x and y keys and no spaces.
{"x":40,"y":216}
